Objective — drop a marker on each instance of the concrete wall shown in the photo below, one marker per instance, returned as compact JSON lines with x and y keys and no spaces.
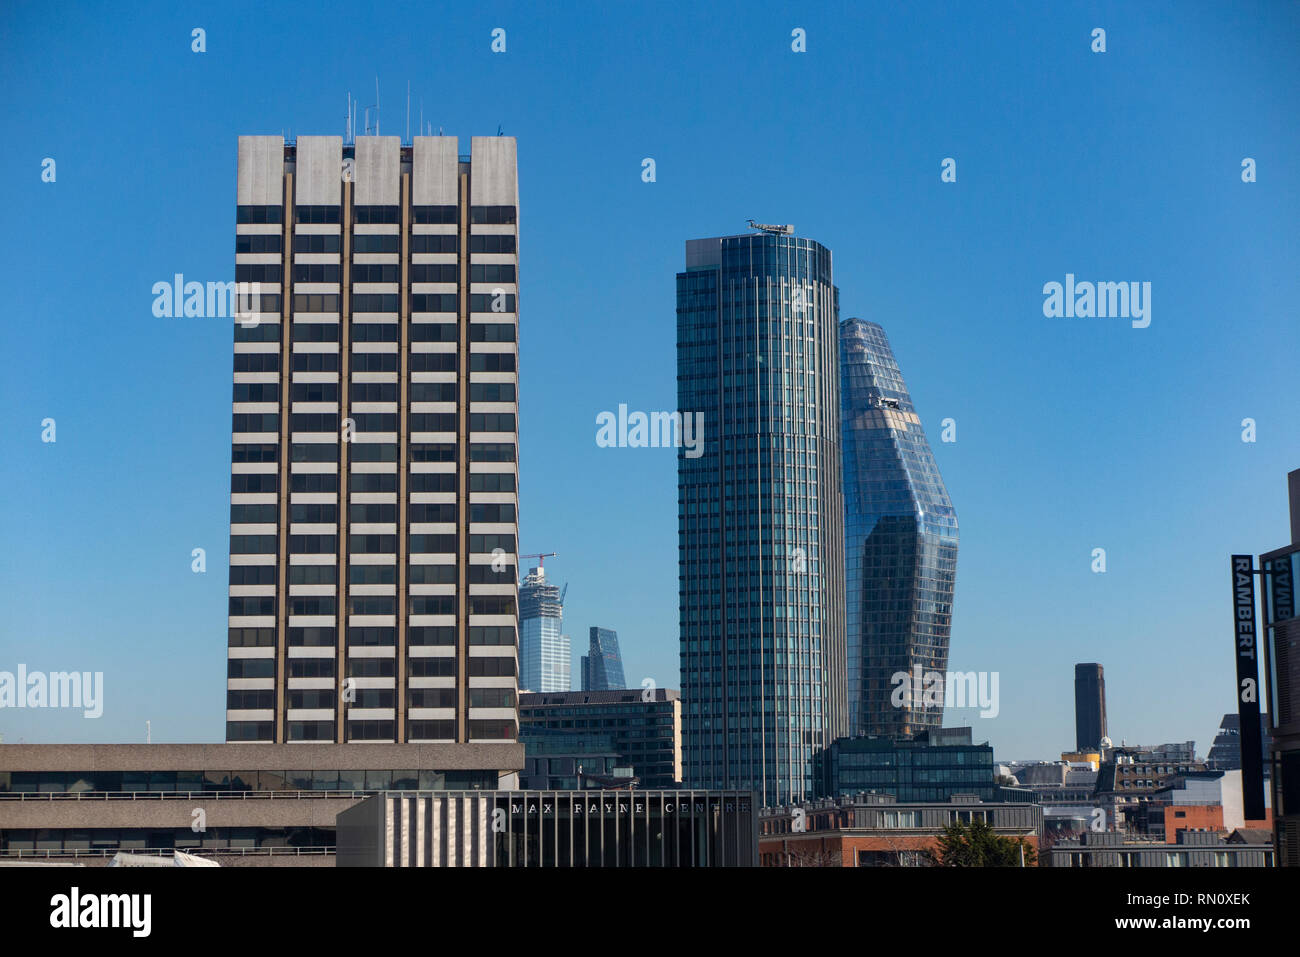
{"x":506,"y":756}
{"x":434,"y":168}
{"x":261,"y":171}
{"x":378,"y":171}
{"x":493,"y":180}
{"x":319,"y":180}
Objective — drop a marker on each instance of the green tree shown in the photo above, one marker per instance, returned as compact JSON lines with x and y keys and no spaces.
{"x":978,"y":845}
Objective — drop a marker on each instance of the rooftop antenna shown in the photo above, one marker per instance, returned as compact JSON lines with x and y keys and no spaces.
{"x":408,"y":111}
{"x":421,"y":126}
{"x":376,"y":104}
{"x":499,"y":130}
{"x":148,"y":733}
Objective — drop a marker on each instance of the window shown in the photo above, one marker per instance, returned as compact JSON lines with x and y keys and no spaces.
{"x":258,"y":242}
{"x":259,"y":214}
{"x":377,"y":242}
{"x":316,"y":214}
{"x":492,"y":215}
{"x":491,"y":422}
{"x":433,"y":214}
{"x":250,"y":668}
{"x":435,"y":272}
{"x":433,"y":332}
{"x":374,"y":302}
{"x":492,"y":392}
{"x":433,"y":302}
{"x":491,"y":243}
{"x":436,"y":242}
{"x":375,"y":214}
{"x":315,"y":243}
{"x":492,"y":302}
{"x":432,"y":362}
{"x":315,"y":302}
{"x":492,"y":332}
{"x":492,"y":272}
{"x":314,"y":272}
{"x":375,"y":272}
{"x":374,"y":332}
{"x":491,"y":452}
{"x":257,"y":362}
{"x":490,"y":362}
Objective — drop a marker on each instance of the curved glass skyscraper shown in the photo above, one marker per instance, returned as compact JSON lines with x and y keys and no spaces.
{"x":900,"y":541}
{"x":760,"y":512}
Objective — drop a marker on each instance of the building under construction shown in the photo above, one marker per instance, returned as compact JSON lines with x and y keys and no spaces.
{"x":544,"y":656}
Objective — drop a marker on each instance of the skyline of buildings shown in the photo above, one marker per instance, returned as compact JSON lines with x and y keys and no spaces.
{"x":760,"y":513}
{"x":900,"y":541}
{"x":373,"y":447}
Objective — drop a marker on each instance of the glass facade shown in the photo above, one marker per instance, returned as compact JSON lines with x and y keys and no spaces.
{"x":911,"y":770}
{"x":602,"y":665}
{"x":643,"y":732}
{"x":760,"y":511}
{"x":544,"y":653}
{"x":900,"y":540}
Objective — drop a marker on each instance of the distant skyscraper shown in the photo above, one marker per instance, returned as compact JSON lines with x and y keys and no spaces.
{"x":760,"y":513}
{"x":1089,"y":706}
{"x":602,"y":665}
{"x":544,"y":654}
{"x":900,"y":540}
{"x":373,"y":467}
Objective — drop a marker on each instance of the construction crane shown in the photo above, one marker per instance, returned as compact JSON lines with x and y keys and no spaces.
{"x":541,"y":557}
{"x":786,"y":230}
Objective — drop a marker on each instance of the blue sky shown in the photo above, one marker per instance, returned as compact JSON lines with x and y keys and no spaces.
{"x":1071,"y":434}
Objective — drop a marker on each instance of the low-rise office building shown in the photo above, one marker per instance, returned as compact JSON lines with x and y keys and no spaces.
{"x":656,"y":828}
{"x":877,"y":830}
{"x":238,"y":803}
{"x":643,"y":726}
{"x":1192,"y":849}
{"x":932,"y":766}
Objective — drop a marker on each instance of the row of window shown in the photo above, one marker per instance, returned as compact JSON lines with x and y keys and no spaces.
{"x":371,"y":512}
{"x":325,"y":636}
{"x":375,"y":243}
{"x":369,"y":392}
{"x":500,"y":215}
{"x":374,"y":361}
{"x":442,"y":667}
{"x":264,"y":698}
{"x":367,"y":545}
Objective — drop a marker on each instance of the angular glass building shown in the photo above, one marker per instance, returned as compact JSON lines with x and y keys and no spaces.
{"x":544,"y":655}
{"x":900,"y":533}
{"x":602,"y":665}
{"x":760,"y":513}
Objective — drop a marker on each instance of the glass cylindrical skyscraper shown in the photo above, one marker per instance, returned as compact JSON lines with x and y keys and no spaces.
{"x":900,"y":534}
{"x":760,"y":513}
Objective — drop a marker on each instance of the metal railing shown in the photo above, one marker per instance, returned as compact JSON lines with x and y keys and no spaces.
{"x":44,"y":853}
{"x":182,"y":795}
